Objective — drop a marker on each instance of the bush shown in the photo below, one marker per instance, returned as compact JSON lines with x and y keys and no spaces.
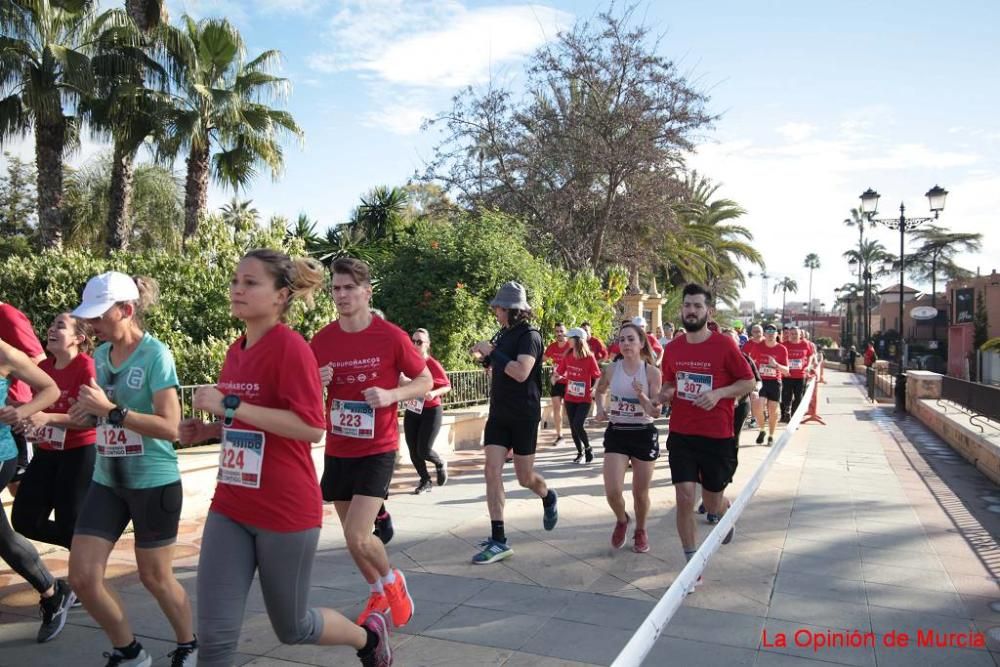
{"x":823,"y":342}
{"x":192,"y":318}
{"x":992,"y":345}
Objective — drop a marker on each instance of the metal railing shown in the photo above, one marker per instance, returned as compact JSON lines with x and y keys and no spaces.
{"x":982,"y":400}
{"x":881,"y":383}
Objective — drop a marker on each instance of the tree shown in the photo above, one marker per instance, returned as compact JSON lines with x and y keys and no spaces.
{"x":812,"y":263}
{"x":380,"y":215}
{"x":872,"y":260}
{"x":46,"y":74}
{"x":222,"y":116}
{"x":589,"y":159}
{"x":18,"y":203}
{"x":147,"y":14}
{"x":786,"y":285}
{"x":240,"y":215}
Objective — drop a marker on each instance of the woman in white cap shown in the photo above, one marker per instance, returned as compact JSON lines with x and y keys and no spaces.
{"x":136,"y":478}
{"x":578,"y":369}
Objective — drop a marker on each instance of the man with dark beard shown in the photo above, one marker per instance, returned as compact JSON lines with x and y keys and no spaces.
{"x":703,"y":373}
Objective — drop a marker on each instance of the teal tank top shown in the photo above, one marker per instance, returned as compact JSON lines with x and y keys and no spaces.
{"x":8,"y":449}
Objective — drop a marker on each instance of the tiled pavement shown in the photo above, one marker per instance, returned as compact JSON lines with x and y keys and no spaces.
{"x":865,"y":524}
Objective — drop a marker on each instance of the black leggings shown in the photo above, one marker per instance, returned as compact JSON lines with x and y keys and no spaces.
{"x":16,"y":551}
{"x":791,"y":394}
{"x":740,"y":413}
{"x":577,"y":413}
{"x":54,"y":481}
{"x":421,"y":431}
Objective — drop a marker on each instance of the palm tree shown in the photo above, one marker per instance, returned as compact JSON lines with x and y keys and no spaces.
{"x":240,"y":215}
{"x":937,"y":250}
{"x":786,"y":285}
{"x":147,"y":14}
{"x":812,"y":263}
{"x":869,"y":255}
{"x":380,"y":214}
{"x":46,"y":74}
{"x":304,"y":229}
{"x":221,"y":115}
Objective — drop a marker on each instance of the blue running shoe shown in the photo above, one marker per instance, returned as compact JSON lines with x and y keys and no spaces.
{"x":492,"y":552}
{"x":551,"y":513}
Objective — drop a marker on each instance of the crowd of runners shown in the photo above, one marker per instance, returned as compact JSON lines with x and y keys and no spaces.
{"x":102,"y":425}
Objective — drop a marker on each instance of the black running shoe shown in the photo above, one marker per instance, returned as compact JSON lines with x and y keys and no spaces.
{"x":760,"y":438}
{"x":54,"y":611}
{"x":442,"y":473}
{"x":770,"y":440}
{"x":588,"y":455}
{"x":383,"y":527}
{"x":424,"y":487}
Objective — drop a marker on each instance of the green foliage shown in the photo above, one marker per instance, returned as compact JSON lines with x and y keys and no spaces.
{"x":17,"y":198}
{"x":980,"y":322}
{"x":193,"y":315}
{"x":993,"y":344}
{"x":823,"y":342}
{"x":442,"y":276}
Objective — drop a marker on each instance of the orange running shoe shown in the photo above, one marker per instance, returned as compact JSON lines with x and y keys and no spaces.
{"x":400,"y":602}
{"x":376,"y":602}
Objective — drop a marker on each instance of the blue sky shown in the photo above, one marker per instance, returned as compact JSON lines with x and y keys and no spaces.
{"x":819,"y":101}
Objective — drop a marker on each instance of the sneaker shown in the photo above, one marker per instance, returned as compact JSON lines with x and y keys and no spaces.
{"x":400,"y":602}
{"x":54,"y":611}
{"x":558,"y":441}
{"x":116,"y":659}
{"x":760,"y":437}
{"x":619,"y":533}
{"x":377,"y":602}
{"x":381,"y":654}
{"x":701,"y":508}
{"x":588,"y":455}
{"x":442,"y":473}
{"x":729,"y":536}
{"x":492,"y":551}
{"x":551,"y":513}
{"x":184,"y":656}
{"x":579,"y":458}
{"x":383,"y":528}
{"x":712,"y":518}
{"x":425,"y":486}
{"x":641,"y":541}
{"x":698,"y":582}
{"x":770,"y":440}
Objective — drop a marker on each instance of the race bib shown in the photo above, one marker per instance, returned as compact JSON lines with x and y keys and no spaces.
{"x":53,"y":436}
{"x":795,"y":364}
{"x":692,"y":385}
{"x":117,"y":441}
{"x":241,"y":457}
{"x":576,"y":388}
{"x":625,"y":407}
{"x":768,"y":372}
{"x":415,"y":405}
{"x":353,"y":419}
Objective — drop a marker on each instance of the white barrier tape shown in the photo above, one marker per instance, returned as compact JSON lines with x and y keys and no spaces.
{"x":641,"y":643}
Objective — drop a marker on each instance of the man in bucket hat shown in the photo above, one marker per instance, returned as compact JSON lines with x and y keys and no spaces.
{"x":514,"y":358}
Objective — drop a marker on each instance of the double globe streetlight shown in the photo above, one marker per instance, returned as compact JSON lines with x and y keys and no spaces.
{"x":869,"y":207}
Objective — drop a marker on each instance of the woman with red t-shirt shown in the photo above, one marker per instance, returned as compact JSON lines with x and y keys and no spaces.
{"x":577,"y":370}
{"x":60,"y":473}
{"x":422,"y":420}
{"x":267,"y":511}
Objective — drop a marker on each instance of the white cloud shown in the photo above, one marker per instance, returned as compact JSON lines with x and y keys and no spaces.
{"x":435,"y":44}
{"x":398,"y":120}
{"x":796,"y":131}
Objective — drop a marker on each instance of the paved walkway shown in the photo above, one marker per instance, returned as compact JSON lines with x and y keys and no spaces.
{"x":865,"y":524}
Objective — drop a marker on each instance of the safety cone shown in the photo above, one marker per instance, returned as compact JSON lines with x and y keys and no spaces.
{"x":812,"y":415}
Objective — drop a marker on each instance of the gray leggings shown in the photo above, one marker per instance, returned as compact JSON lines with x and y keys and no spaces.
{"x":16,"y":551}
{"x":230,"y":554}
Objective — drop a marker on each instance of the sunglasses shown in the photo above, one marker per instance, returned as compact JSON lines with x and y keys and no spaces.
{"x":417,"y":341}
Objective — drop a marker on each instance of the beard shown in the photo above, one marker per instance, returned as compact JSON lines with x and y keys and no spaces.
{"x":694,"y":324}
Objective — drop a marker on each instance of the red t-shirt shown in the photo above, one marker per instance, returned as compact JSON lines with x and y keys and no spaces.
{"x":16,"y":331}
{"x":555,"y":352}
{"x":373,"y":357}
{"x":615,"y":349}
{"x":761,"y":353}
{"x":597,"y":347}
{"x":279,"y":371}
{"x":440,"y":378}
{"x":698,"y":368}
{"x":579,"y":374}
{"x":78,"y":372}
{"x":798,"y":358}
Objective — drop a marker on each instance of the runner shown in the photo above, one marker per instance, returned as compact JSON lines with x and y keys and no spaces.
{"x":771,"y":358}
{"x":514,"y":360}
{"x":554,"y":353}
{"x":267,"y":512}
{"x":578,"y":368}
{"x":16,"y":330}
{"x":800,"y":364}
{"x":361,"y":357}
{"x":665,"y":334}
{"x":741,"y":337}
{"x":56,"y":595}
{"x":422,"y":420}
{"x":631,"y":439}
{"x":702,"y":375}
{"x":136,"y":477}
{"x":596,"y":346}
{"x":60,"y":472}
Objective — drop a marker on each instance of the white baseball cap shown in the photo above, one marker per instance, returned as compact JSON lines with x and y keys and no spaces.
{"x":104,"y":291}
{"x":577,"y":332}
{"x":639,"y":321}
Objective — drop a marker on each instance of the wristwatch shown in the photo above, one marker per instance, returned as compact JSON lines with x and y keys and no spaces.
{"x":230,"y":402}
{"x":116,"y":416}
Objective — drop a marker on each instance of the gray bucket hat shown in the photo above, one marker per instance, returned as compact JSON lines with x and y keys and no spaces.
{"x":511,"y":295}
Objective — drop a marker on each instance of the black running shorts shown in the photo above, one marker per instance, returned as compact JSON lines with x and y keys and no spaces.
{"x":771,"y":390}
{"x":695,"y":458}
{"x":154,"y":513}
{"x":558,"y":390}
{"x":343,"y":478}
{"x":521,"y":435}
{"x":638,"y":442}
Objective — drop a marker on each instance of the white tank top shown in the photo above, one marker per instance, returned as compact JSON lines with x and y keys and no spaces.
{"x":623,"y":401}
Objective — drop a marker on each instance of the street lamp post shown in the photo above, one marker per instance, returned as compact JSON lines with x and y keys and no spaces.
{"x":846,"y":335}
{"x":869,"y":207}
